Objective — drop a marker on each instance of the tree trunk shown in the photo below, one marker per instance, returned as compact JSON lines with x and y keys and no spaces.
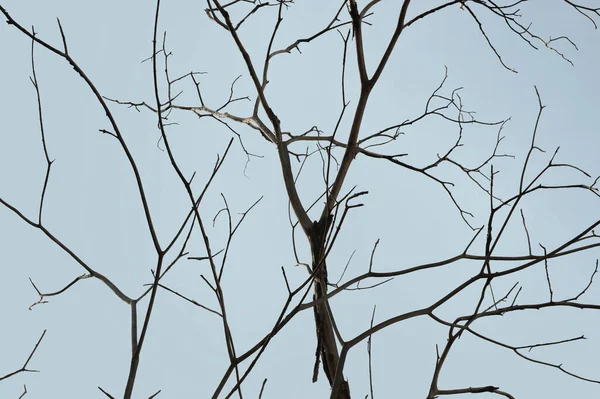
{"x":326,"y":339}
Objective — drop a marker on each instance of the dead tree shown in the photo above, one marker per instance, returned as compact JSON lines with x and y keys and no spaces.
{"x":318,"y":223}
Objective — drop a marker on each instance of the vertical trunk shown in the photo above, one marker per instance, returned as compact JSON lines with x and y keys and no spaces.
{"x":323,"y":318}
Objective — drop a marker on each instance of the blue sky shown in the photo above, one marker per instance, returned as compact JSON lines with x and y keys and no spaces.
{"x":93,"y":206}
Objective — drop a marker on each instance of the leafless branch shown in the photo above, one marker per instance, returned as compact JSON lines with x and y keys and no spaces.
{"x":24,"y":368}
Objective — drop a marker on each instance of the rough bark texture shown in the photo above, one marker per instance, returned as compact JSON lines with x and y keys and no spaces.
{"x":323,"y":318}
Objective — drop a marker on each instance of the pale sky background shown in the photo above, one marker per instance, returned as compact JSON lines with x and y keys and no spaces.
{"x":93,"y":206}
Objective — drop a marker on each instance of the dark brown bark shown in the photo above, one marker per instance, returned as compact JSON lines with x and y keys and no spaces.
{"x":324,"y":322}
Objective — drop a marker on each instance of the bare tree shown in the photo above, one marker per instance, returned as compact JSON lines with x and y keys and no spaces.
{"x":317,"y":165}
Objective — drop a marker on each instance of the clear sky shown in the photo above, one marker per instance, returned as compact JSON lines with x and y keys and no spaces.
{"x":92,"y":204}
